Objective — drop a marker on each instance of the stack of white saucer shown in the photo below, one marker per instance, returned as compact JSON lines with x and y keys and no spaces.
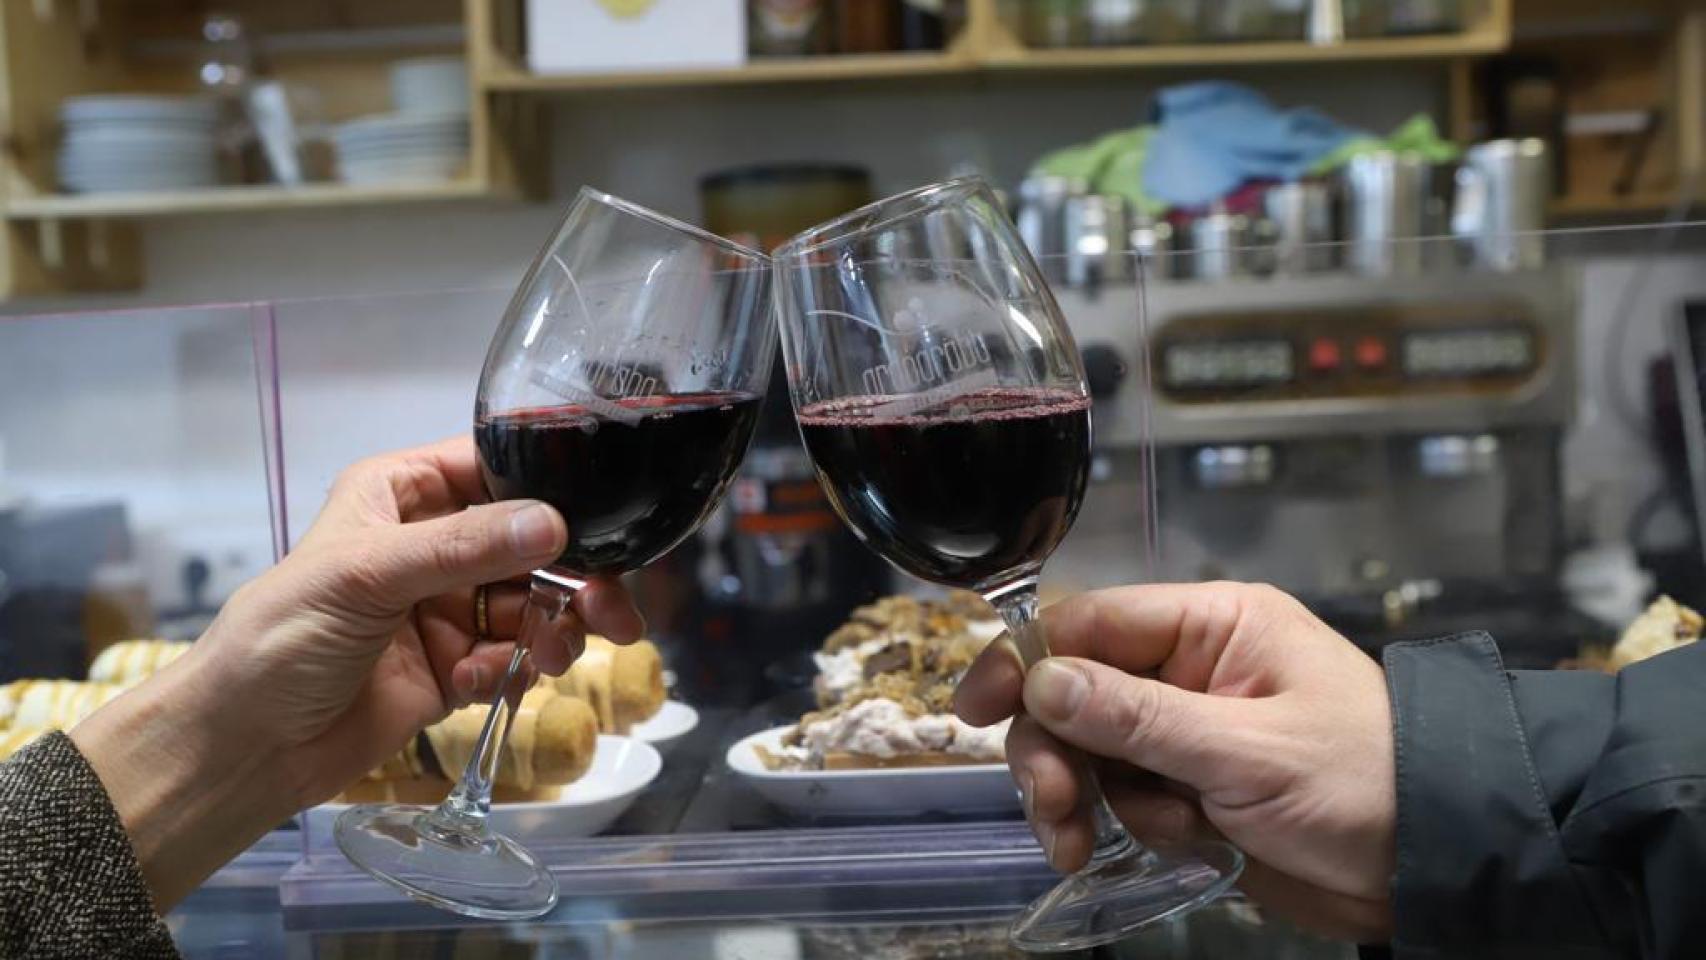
{"x":116,"y":143}
{"x":425,"y":140}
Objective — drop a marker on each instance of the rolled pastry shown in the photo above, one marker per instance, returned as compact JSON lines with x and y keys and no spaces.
{"x":52,"y":704}
{"x":132,"y":661}
{"x":624,"y":684}
{"x":551,"y":743}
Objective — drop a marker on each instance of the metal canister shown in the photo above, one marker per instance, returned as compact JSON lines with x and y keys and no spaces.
{"x":1500,"y":213}
{"x":1397,"y":209}
{"x":1114,"y":23}
{"x":1302,"y":216}
{"x":1152,"y":246}
{"x":1220,"y":244}
{"x":1041,"y":218}
{"x":1097,"y":234}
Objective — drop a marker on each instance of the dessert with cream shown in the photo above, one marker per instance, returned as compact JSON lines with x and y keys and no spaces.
{"x":885,"y":690}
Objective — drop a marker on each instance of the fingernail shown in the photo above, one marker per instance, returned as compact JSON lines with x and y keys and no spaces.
{"x":463,"y":683}
{"x":1027,"y":784}
{"x":476,"y":681}
{"x":533,"y":531}
{"x":1057,"y":690}
{"x":1046,"y":836}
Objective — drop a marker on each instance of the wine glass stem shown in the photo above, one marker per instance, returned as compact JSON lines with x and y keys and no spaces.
{"x":1019,"y":608}
{"x":464,"y":812}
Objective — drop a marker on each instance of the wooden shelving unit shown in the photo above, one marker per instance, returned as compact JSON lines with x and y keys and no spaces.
{"x":52,"y":49}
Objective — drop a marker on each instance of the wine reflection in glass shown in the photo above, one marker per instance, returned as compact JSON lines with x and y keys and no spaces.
{"x":944,"y":406}
{"x":622,"y":387}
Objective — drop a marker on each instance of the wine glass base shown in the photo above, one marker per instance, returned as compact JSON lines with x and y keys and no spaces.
{"x":476,"y":874}
{"x":1113,"y":899}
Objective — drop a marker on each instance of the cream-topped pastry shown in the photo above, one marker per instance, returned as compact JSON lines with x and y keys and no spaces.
{"x":885,"y":689}
{"x":879,"y":732}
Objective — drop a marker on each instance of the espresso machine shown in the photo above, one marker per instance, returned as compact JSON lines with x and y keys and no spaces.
{"x":1385,"y":448}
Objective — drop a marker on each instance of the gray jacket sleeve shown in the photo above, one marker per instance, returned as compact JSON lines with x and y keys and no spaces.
{"x":70,"y":886}
{"x":1548,"y":814}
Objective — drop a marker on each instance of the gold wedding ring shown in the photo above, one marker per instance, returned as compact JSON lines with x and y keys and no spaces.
{"x":482,"y":615}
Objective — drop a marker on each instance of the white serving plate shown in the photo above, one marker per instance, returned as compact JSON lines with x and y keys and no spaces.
{"x":139,"y":164}
{"x":400,"y":124}
{"x":139,"y":137}
{"x":621,"y":768}
{"x":417,"y":161}
{"x":172,"y":171}
{"x":104,"y":166}
{"x":384,"y":175}
{"x":357,"y":141}
{"x":139,"y":108}
{"x":122,"y":185}
{"x":667,"y":728}
{"x":896,"y":792}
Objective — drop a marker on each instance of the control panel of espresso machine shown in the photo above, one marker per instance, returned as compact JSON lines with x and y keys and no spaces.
{"x":1378,"y":446}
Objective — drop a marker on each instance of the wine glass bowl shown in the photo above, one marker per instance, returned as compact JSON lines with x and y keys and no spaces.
{"x":944,"y":406}
{"x":622,"y":387}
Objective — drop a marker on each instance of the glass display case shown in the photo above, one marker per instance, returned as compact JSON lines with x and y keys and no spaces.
{"x":1413,"y":452}
{"x":133,"y":493}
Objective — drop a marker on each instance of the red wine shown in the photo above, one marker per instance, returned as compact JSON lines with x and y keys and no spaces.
{"x":629,"y":490}
{"x":968,"y":497}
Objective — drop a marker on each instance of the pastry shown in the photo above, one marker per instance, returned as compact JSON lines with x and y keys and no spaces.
{"x":623,"y":684}
{"x":899,"y":634}
{"x":1665,"y":626}
{"x":52,"y":704}
{"x":885,"y":690}
{"x":133,"y":661}
{"x":551,"y":743}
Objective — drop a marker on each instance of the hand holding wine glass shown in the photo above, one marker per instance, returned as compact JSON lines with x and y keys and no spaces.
{"x":327,"y":664}
{"x":944,"y":406}
{"x":1278,"y":729}
{"x":621,"y":388}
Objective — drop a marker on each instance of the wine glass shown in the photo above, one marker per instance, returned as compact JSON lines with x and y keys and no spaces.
{"x":944,"y":406}
{"x":622,"y":387}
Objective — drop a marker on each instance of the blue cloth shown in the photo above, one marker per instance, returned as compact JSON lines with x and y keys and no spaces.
{"x":1213,"y":137}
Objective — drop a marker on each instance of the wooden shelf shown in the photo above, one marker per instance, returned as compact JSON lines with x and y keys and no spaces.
{"x":1445,"y":46}
{"x":1634,"y":204}
{"x":238,"y":199}
{"x":56,"y":50}
{"x":781,"y":70}
{"x":841,"y":67}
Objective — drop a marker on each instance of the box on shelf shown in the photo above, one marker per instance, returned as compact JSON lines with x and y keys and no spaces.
{"x":613,"y":36}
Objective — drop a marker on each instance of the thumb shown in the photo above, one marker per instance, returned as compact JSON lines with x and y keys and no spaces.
{"x":1194,"y":738}
{"x":482,"y":544}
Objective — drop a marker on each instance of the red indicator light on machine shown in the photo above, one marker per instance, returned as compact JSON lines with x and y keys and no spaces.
{"x":1371,"y":353}
{"x":1325,"y":355}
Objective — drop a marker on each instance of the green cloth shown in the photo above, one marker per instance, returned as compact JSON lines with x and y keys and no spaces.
{"x":1112,"y":164}
{"x":1416,"y":135}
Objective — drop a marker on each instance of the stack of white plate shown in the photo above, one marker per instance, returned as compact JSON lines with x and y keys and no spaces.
{"x":127,"y":142}
{"x":430,"y":85}
{"x":402,"y":147}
